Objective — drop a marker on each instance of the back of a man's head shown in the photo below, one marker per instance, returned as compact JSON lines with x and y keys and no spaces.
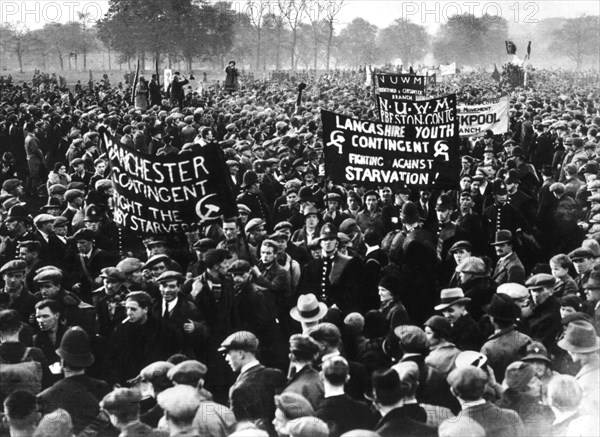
{"x":20,"y":408}
{"x":335,"y":371}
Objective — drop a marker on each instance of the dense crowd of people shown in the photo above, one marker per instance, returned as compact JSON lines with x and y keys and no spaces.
{"x":320,"y":310}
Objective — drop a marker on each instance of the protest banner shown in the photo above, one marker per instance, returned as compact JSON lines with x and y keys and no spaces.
{"x":448,"y":70}
{"x":422,"y":152}
{"x":169,"y":194}
{"x":400,"y":86}
{"x":474,"y":120}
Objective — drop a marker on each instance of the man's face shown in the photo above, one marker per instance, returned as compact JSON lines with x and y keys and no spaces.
{"x":79,"y":168}
{"x":257,"y":235}
{"x":29,"y":256}
{"x":230,"y":230}
{"x":14,"y":280}
{"x":49,"y":290}
{"x":329,"y":245}
{"x":84,"y":246}
{"x":453,"y":312}
{"x":352,"y":202}
{"x":386,"y":194}
{"x":539,"y":295}
{"x":169,"y":290}
{"x":47,"y":228}
{"x":12,"y":226}
{"x":511,"y":187}
{"x":111,"y":286}
{"x":158,"y":269}
{"x":557,"y":270}
{"x":286,"y":231}
{"x":460,"y":255}
{"x":100,"y":168}
{"x":592,"y":294}
{"x":234,"y":358}
{"x":158,"y":249}
{"x":465,"y":184}
{"x":240,"y":279}
{"x":312,"y":221}
{"x":291,"y":198}
{"x":503,"y":249}
{"x":267,"y":254}
{"x":46,"y":319}
{"x":61,"y":231}
{"x":466,"y":203}
{"x":371,"y":202}
{"x":565,"y":311}
{"x":475,"y":185}
{"x":444,"y":215}
{"x":582,"y":265}
{"x":332,"y":205}
{"x":92,"y":226}
{"x":135,"y":312}
{"x":501,"y":198}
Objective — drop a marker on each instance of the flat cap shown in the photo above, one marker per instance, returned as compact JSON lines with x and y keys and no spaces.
{"x":472,"y":265}
{"x":170,"y":275}
{"x":14,"y":266}
{"x":513,"y":290}
{"x":155,"y":259}
{"x":254,"y":224}
{"x":48,"y":275}
{"x":187,"y":372}
{"x":412,"y":338}
{"x":243,"y":209}
{"x":156,"y":371}
{"x":239,"y":267}
{"x":130,"y":265}
{"x":113,"y":274}
{"x":327,"y":332}
{"x":540,"y":280}
{"x":459,"y":245}
{"x":180,"y":402}
{"x":283,"y":225}
{"x":308,"y":426}
{"x":73,"y":194}
{"x":293,"y":405}
{"x":468,"y":382}
{"x":77,"y":161}
{"x":120,"y":398}
{"x":84,"y":234}
{"x":580,"y":253}
{"x":204,"y":244}
{"x":43,"y":218}
{"x":241,"y":340}
{"x":10,"y":184}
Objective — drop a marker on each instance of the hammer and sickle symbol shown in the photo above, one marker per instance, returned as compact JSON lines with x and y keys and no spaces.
{"x":441,"y":148}
{"x":336,"y":139}
{"x":205,"y":209}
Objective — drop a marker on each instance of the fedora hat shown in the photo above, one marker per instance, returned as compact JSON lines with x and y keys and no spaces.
{"x":75,"y":348}
{"x":451,"y":296}
{"x":308,"y":309}
{"x":580,"y":336}
{"x":502,"y":307}
{"x":502,"y":236}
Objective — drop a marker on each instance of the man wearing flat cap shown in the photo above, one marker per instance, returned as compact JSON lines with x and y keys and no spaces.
{"x":109,"y":300}
{"x":334,"y":213}
{"x":583,"y":262}
{"x":123,"y":408}
{"x":303,"y":378}
{"x":251,"y":396}
{"x":17,"y":224}
{"x":370,"y":216}
{"x":468,"y":385}
{"x":51,"y":248}
{"x":254,"y":199}
{"x":334,"y":278}
{"x":544,"y":323}
{"x":20,"y":299}
{"x":181,"y":326}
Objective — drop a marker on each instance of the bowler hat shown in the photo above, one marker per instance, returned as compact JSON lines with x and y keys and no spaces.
{"x":387,"y":389}
{"x":241,"y":340}
{"x":503,"y":236}
{"x":502,"y":307}
{"x":451,"y":296}
{"x":580,"y":337}
{"x":308,"y":309}
{"x":75,"y":348}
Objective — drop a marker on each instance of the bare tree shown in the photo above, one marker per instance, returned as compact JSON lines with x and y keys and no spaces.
{"x":256,"y":11}
{"x":292,"y":12}
{"x":332,"y":8}
{"x":314,"y":11}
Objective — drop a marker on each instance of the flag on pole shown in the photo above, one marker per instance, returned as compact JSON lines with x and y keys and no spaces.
{"x":496,"y":74}
{"x":135,"y":82}
{"x":529,"y":51}
{"x":511,"y":48}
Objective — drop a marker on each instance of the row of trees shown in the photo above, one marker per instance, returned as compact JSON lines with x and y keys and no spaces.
{"x":279,"y":34}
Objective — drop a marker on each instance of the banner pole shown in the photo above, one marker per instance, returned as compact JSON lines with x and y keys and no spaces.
{"x":137,"y":73}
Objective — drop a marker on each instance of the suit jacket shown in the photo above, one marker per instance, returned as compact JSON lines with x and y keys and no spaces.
{"x":251,"y":397}
{"x":342,"y":413}
{"x":502,"y":348}
{"x":496,"y":421}
{"x":171,"y":337}
{"x":509,"y":269}
{"x":306,"y":382}
{"x":396,"y":424}
{"x":78,"y":395}
{"x":544,"y":323}
{"x":24,"y":304}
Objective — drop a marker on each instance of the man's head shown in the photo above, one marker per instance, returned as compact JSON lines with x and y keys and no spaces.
{"x":180,"y":404}
{"x":47,"y":315}
{"x":443,"y":208}
{"x":137,"y":305}
{"x":328,"y":239}
{"x":45,"y":223}
{"x":467,"y":383}
{"x":327,"y":336}
{"x":230,"y":229}
{"x":169,"y":284}
{"x":240,"y":270}
{"x":582,"y":259}
{"x":112,"y":279}
{"x":29,"y":251}
{"x":239,"y":349}
{"x":335,"y":371}
{"x":371,"y":199}
{"x":541,"y":287}
{"x":290,"y":406}
{"x":84,"y":240}
{"x":503,"y":243}
{"x":21,"y":414}
{"x":461,"y":250}
{"x":10,"y":324}
{"x":268,"y":251}
{"x":13,"y":273}
{"x":303,"y":349}
{"x":122,"y":406}
{"x":157,"y":265}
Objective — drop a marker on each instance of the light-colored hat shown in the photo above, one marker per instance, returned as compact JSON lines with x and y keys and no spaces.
{"x":451,"y":296}
{"x":308,"y":309}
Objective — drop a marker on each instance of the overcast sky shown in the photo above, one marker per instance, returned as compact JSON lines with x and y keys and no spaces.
{"x":36,"y":13}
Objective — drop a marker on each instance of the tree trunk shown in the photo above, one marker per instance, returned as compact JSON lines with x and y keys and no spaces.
{"x":316,"y":51}
{"x":62,"y":64}
{"x":85,"y":59}
{"x":329,"y":40}
{"x":189,"y":62}
{"x":278,"y":50}
{"x":109,"y":66}
{"x":143,"y":62}
{"x":20,"y":55}
{"x":129,"y":63}
{"x":293,"y":53}
{"x":170,"y":62}
{"x":258,"y":37}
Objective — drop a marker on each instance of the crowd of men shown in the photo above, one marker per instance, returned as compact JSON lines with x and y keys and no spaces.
{"x":320,"y":310}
